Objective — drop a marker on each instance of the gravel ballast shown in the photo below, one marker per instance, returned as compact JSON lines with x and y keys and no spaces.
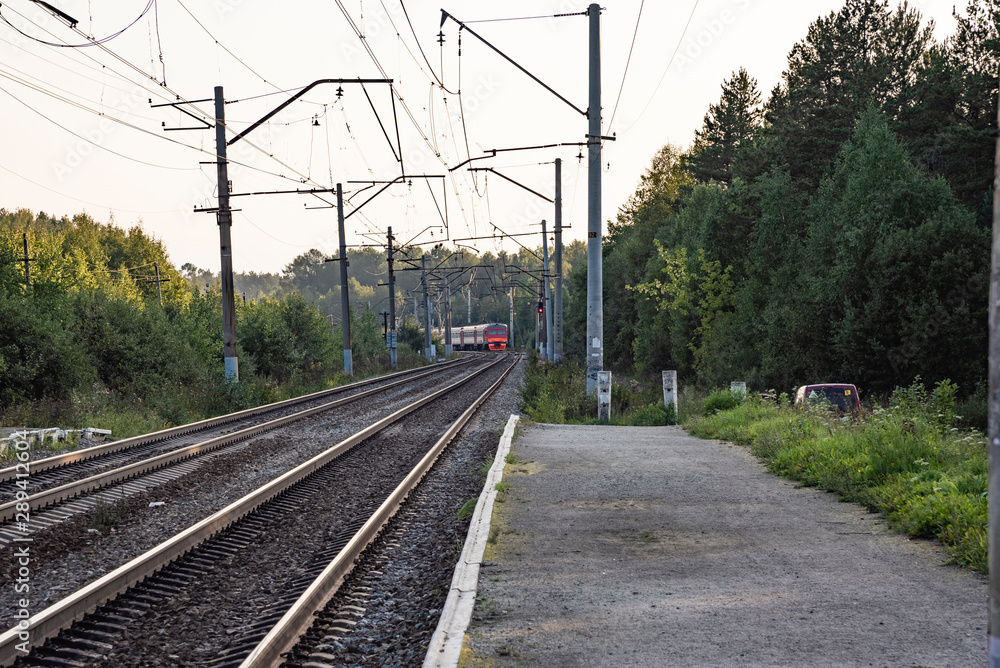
{"x":72,"y":554}
{"x":410,"y":588}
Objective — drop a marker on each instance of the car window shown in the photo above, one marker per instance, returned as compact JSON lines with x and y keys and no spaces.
{"x":838,"y":397}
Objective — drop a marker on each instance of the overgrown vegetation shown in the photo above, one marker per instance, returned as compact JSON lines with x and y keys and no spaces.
{"x":558,"y":394}
{"x":905,"y":459}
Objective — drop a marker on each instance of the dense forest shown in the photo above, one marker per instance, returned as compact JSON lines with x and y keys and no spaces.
{"x":837,"y":230}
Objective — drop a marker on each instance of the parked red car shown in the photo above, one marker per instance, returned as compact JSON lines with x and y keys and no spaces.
{"x":842,"y":397}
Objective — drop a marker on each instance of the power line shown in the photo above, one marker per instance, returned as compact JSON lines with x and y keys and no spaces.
{"x":627,"y":61}
{"x":417,"y":40}
{"x":224,"y":48}
{"x":64,"y":68}
{"x":41,"y":89}
{"x":103,"y":148}
{"x":302,"y":179}
{"x":669,"y":62}
{"x":83,"y":201}
{"x":90,"y":40}
{"x":157,"y":92}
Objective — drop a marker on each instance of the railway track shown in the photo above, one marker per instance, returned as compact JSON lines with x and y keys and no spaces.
{"x":251,"y":566}
{"x":161,"y":456}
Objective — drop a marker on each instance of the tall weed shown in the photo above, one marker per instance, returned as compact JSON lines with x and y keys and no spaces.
{"x":905,"y":460}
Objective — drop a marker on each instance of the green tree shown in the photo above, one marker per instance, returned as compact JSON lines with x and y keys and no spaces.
{"x":729,"y":127}
{"x":898,"y":269}
{"x":865,"y":54}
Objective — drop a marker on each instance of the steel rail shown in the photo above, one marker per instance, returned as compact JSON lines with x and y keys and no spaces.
{"x":61,"y":614}
{"x":300,"y":616}
{"x":10,"y":472}
{"x":48,"y":497}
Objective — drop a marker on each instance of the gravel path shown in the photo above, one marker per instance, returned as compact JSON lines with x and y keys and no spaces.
{"x":637,"y":546}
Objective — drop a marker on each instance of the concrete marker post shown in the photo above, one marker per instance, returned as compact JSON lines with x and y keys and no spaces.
{"x":604,"y":396}
{"x":670,"y":391}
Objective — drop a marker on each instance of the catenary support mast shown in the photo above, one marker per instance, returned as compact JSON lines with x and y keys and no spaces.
{"x":557,"y":305}
{"x":345,"y":304}
{"x":993,"y":427}
{"x":595,"y":277}
{"x":225,"y":220}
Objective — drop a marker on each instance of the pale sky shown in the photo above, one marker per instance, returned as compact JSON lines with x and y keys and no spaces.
{"x":65,"y":151}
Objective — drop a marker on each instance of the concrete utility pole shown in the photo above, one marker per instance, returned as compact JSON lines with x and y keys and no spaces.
{"x":510,"y":330}
{"x":225,"y":220}
{"x":159,"y":293}
{"x":595,"y":269}
{"x":557,"y":314}
{"x":392,"y":307}
{"x":27,"y":260}
{"x":549,"y":336}
{"x":540,"y":321}
{"x":993,"y":547}
{"x":345,"y":304}
{"x":469,"y":305}
{"x":447,"y":313}
{"x":428,"y":344}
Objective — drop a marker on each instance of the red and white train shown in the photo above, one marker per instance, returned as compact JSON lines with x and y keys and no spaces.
{"x":491,"y":336}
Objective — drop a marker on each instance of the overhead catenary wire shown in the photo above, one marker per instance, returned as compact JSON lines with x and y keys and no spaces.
{"x":628,"y":60}
{"x":399,"y":97}
{"x":669,"y":62}
{"x":40,"y":86}
{"x":90,"y":40}
{"x":104,"y":148}
{"x":102,"y":69}
{"x":158,"y":92}
{"x":112,"y":209}
{"x":226,"y":49}
{"x":155,"y":92}
{"x":438,"y":79}
{"x":145,"y":131}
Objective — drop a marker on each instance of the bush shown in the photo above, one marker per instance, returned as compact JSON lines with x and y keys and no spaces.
{"x":39,"y":356}
{"x":652,"y":415}
{"x":722,"y":400}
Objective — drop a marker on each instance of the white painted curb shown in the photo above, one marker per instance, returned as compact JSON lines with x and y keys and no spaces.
{"x":446,"y":644}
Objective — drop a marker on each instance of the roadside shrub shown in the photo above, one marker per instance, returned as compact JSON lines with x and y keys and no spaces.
{"x":721,"y":400}
{"x":972,"y":411}
{"x":652,"y":415}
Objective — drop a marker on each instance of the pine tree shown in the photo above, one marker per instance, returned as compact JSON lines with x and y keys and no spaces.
{"x":864,"y":55}
{"x":729,"y":126}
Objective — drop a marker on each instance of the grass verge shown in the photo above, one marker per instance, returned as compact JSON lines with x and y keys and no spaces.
{"x":905,"y":461}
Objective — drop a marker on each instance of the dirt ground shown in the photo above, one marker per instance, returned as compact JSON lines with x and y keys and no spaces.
{"x":643,"y":546}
